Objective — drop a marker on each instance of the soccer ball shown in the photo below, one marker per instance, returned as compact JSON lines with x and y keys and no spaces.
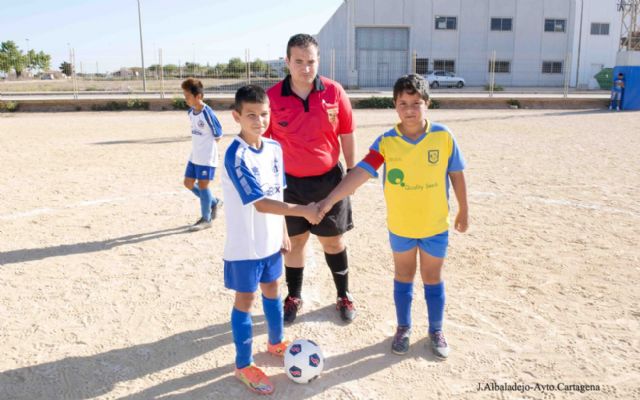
{"x":303,"y":361}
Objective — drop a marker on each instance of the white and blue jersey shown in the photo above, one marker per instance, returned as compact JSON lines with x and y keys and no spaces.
{"x":205,"y":128}
{"x":250,"y":175}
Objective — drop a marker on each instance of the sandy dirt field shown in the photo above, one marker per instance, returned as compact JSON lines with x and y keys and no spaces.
{"x":103,"y":293}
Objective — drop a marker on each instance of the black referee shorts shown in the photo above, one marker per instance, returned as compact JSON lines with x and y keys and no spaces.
{"x":314,"y":189}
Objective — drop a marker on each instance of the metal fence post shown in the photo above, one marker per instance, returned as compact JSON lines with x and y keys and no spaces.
{"x":73,"y":74}
{"x":566,"y":71}
{"x":333,"y":64}
{"x":414,"y":57}
{"x":492,"y":74}
{"x":161,"y":72}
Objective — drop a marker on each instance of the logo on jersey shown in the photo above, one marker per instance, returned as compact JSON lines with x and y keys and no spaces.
{"x":270,"y":190}
{"x":332,"y":114}
{"x":396,"y":177}
{"x":255,"y":171}
{"x":434,"y":156}
{"x":200,"y":124}
{"x":276,"y":168}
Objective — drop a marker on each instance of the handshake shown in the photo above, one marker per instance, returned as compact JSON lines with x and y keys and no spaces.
{"x":315,"y":212}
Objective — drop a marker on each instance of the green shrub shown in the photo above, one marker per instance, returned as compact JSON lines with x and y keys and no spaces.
{"x":179,"y":103}
{"x":10,"y":106}
{"x":434,"y":104}
{"x":137,"y":104}
{"x":514,"y":103}
{"x":110,"y":106}
{"x":376,"y":102}
{"x":496,"y":88}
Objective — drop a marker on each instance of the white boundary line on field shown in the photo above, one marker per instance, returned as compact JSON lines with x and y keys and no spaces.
{"x":86,"y":203}
{"x":472,"y":195}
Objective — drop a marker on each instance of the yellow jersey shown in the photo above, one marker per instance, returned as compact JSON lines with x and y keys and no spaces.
{"x":415,"y":178}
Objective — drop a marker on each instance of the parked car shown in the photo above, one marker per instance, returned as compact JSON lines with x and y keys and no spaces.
{"x":444,"y":78}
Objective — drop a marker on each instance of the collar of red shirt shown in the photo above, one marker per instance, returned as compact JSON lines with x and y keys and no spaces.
{"x":318,"y":86}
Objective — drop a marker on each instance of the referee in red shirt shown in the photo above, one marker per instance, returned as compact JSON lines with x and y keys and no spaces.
{"x":311,"y":118}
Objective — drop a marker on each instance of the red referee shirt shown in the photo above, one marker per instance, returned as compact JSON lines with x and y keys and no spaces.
{"x":308,"y":129}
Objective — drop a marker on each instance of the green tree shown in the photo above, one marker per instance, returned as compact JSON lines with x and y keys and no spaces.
{"x":259,"y":67}
{"x":192,"y":68}
{"x":38,"y":61}
{"x":66,"y":68}
{"x":170,"y":69}
{"x":236,"y":67}
{"x":220,"y":69}
{"x":11,"y":58}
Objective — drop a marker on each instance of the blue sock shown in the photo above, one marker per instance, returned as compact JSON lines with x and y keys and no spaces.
{"x":403,"y":296}
{"x":196,"y":190}
{"x":241,"y":326}
{"x":434,"y":294}
{"x":274,"y":314}
{"x":206,"y":199}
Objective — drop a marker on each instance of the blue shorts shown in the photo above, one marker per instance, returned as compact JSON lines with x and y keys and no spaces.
{"x":435,"y":245}
{"x":244,"y":275}
{"x":199,"y":172}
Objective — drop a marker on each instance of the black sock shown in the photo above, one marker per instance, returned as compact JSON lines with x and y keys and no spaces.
{"x":294,"y":280}
{"x":339,"y":265}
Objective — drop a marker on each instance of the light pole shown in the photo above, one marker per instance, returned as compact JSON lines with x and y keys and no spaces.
{"x":144,"y":78}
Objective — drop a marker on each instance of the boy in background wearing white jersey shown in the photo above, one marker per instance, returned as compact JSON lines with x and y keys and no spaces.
{"x":205,"y":131}
{"x":253,"y":182}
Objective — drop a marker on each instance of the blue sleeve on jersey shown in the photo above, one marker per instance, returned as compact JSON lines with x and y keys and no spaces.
{"x":366,"y":162}
{"x":364,"y":165}
{"x":213,"y":122}
{"x":456,"y":161}
{"x":242,"y":178}
{"x":376,"y":144}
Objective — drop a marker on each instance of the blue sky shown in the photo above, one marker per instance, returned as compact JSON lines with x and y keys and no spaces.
{"x":208,"y":31}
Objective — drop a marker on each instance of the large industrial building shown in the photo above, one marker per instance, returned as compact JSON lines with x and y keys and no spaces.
{"x":369,"y":43}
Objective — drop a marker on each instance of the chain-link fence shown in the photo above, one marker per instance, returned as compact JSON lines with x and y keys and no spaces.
{"x":366,"y":70}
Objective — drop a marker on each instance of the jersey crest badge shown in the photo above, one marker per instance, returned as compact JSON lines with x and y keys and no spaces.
{"x":434,"y":156}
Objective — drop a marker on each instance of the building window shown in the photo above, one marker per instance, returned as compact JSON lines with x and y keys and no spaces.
{"x":552,"y":67}
{"x":501,"y":24}
{"x":422,"y":66}
{"x":444,"y":65}
{"x":599,"y":29}
{"x":555,"y":25}
{"x":501,"y":67}
{"x":449,"y":23}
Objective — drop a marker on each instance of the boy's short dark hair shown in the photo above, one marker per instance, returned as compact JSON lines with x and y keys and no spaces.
{"x":250,"y":94}
{"x":620,"y":74}
{"x":301,"y":40}
{"x":411,"y":84}
{"x":193,"y":86}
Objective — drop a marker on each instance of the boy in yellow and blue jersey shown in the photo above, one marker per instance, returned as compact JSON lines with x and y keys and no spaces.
{"x":421,"y":159}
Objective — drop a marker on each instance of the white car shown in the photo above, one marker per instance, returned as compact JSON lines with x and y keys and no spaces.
{"x":443,"y":78}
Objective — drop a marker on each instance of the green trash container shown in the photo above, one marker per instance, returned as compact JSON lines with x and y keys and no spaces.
{"x":605,"y":78}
